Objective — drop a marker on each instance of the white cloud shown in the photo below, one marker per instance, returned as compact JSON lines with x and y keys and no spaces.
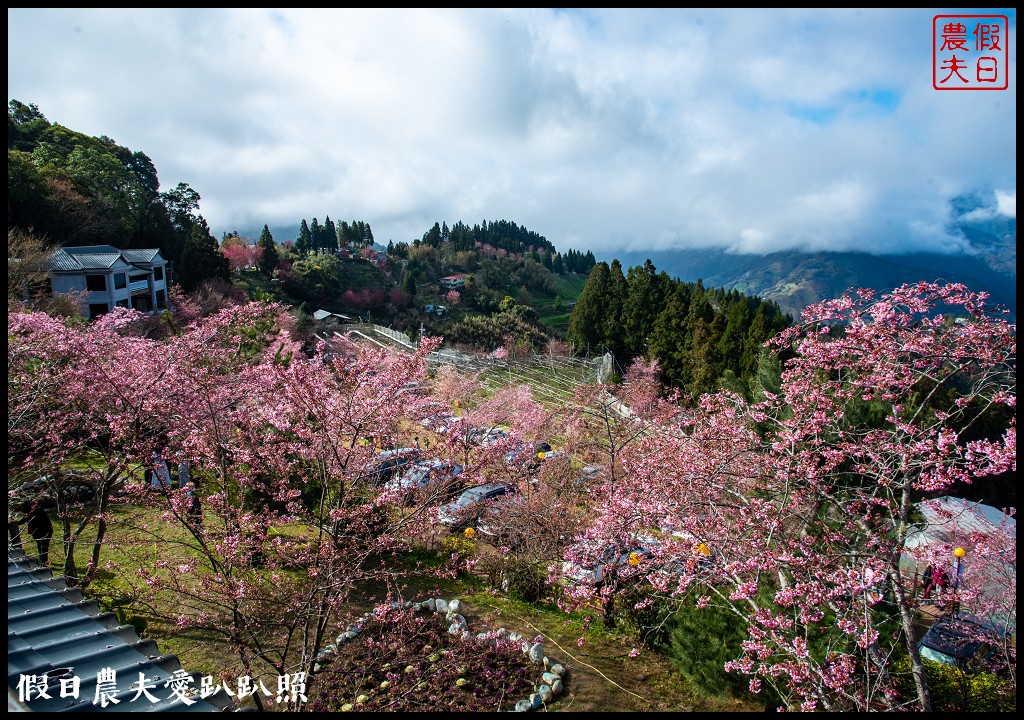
{"x":1006,"y":203}
{"x":747,"y":129}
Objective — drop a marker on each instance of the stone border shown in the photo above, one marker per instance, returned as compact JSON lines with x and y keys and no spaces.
{"x":549,"y":687}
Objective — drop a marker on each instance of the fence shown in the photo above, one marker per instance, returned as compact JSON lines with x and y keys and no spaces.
{"x":553,"y":377}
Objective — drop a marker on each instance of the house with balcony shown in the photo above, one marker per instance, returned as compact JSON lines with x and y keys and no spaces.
{"x":112,"y":278}
{"x":453,"y":282}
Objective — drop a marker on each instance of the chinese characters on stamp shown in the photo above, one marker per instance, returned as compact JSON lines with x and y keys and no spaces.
{"x":970,"y":52}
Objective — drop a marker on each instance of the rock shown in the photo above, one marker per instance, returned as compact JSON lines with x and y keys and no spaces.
{"x":515,"y":638}
{"x":458,"y":619}
{"x":558,"y":669}
{"x":536,"y":702}
{"x":545,"y":693}
{"x":557,"y":687}
{"x":456,"y":629}
{"x":440,"y":606}
{"x":430,"y":605}
{"x":454,"y":605}
{"x":524,"y":706}
{"x":549,"y":678}
{"x":536,"y":652}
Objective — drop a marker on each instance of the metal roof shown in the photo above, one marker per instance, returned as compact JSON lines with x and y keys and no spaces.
{"x":53,"y":633}
{"x":62,"y":260}
{"x":145,"y":257}
{"x":949,"y":519}
{"x":99,"y":257}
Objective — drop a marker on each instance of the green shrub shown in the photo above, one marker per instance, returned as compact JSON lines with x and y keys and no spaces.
{"x":697,"y":641}
{"x":954,"y":690}
{"x":517,"y":579}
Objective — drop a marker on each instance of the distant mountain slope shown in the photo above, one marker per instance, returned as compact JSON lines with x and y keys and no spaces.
{"x":796,"y":279}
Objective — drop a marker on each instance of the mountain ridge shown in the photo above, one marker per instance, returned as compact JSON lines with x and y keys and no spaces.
{"x":794,"y":279}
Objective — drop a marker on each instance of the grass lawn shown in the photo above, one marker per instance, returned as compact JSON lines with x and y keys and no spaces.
{"x":604,"y":676}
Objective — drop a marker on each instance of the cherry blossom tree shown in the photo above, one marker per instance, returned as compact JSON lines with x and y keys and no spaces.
{"x":82,"y":394}
{"x":802,"y":502}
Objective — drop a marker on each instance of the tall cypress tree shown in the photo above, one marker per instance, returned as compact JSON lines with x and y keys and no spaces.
{"x":330,"y":241}
{"x":269,"y":256}
{"x":666,"y":343}
{"x":613,"y":332}
{"x":586,"y":323}
{"x":316,"y":236}
{"x":304,"y":242}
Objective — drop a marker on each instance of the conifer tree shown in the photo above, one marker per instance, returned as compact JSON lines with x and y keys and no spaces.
{"x":330,"y":239}
{"x":304,"y":242}
{"x":316,"y":236}
{"x":586,"y":323}
{"x":269,"y":256}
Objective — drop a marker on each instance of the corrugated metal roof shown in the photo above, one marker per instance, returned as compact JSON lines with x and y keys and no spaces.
{"x":53,"y":632}
{"x":60,"y":260}
{"x":140,"y":256}
{"x":72,"y":262}
{"x":99,"y":257}
{"x":949,"y":519}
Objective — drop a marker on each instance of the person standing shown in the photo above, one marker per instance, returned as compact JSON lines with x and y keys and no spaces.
{"x":926,"y":581}
{"x":195,"y":510}
{"x":38,"y":524}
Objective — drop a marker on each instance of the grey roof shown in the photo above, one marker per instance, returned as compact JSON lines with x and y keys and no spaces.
{"x":950,"y":519}
{"x":51,"y":629}
{"x":99,"y":257}
{"x":90,"y":249}
{"x":145,"y":257}
{"x":62,"y":260}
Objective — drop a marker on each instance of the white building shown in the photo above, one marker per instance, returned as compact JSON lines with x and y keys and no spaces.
{"x":112,"y":278}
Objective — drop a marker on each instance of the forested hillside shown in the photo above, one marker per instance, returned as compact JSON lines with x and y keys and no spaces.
{"x":699,"y":337}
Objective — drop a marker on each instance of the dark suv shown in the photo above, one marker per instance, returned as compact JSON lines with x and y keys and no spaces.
{"x":961,"y":640}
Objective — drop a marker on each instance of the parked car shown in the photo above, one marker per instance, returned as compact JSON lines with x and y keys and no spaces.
{"x":498,"y":528}
{"x":424,"y":473}
{"x":959,"y":639}
{"x":467,"y":509}
{"x":387,"y":464}
{"x":410,"y":387}
{"x":486,"y":436}
{"x":437,"y":421}
{"x":610,"y":555}
{"x":525,"y":452}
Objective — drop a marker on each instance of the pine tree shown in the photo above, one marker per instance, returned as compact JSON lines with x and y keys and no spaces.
{"x":269,"y":256}
{"x":330,"y":239}
{"x":666,"y":343}
{"x":304,"y":242}
{"x":645,"y":300}
{"x":613,"y":332}
{"x":316,"y":236}
{"x":585,"y":331}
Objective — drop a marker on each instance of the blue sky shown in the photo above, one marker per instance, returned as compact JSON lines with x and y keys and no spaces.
{"x":610,"y":130}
